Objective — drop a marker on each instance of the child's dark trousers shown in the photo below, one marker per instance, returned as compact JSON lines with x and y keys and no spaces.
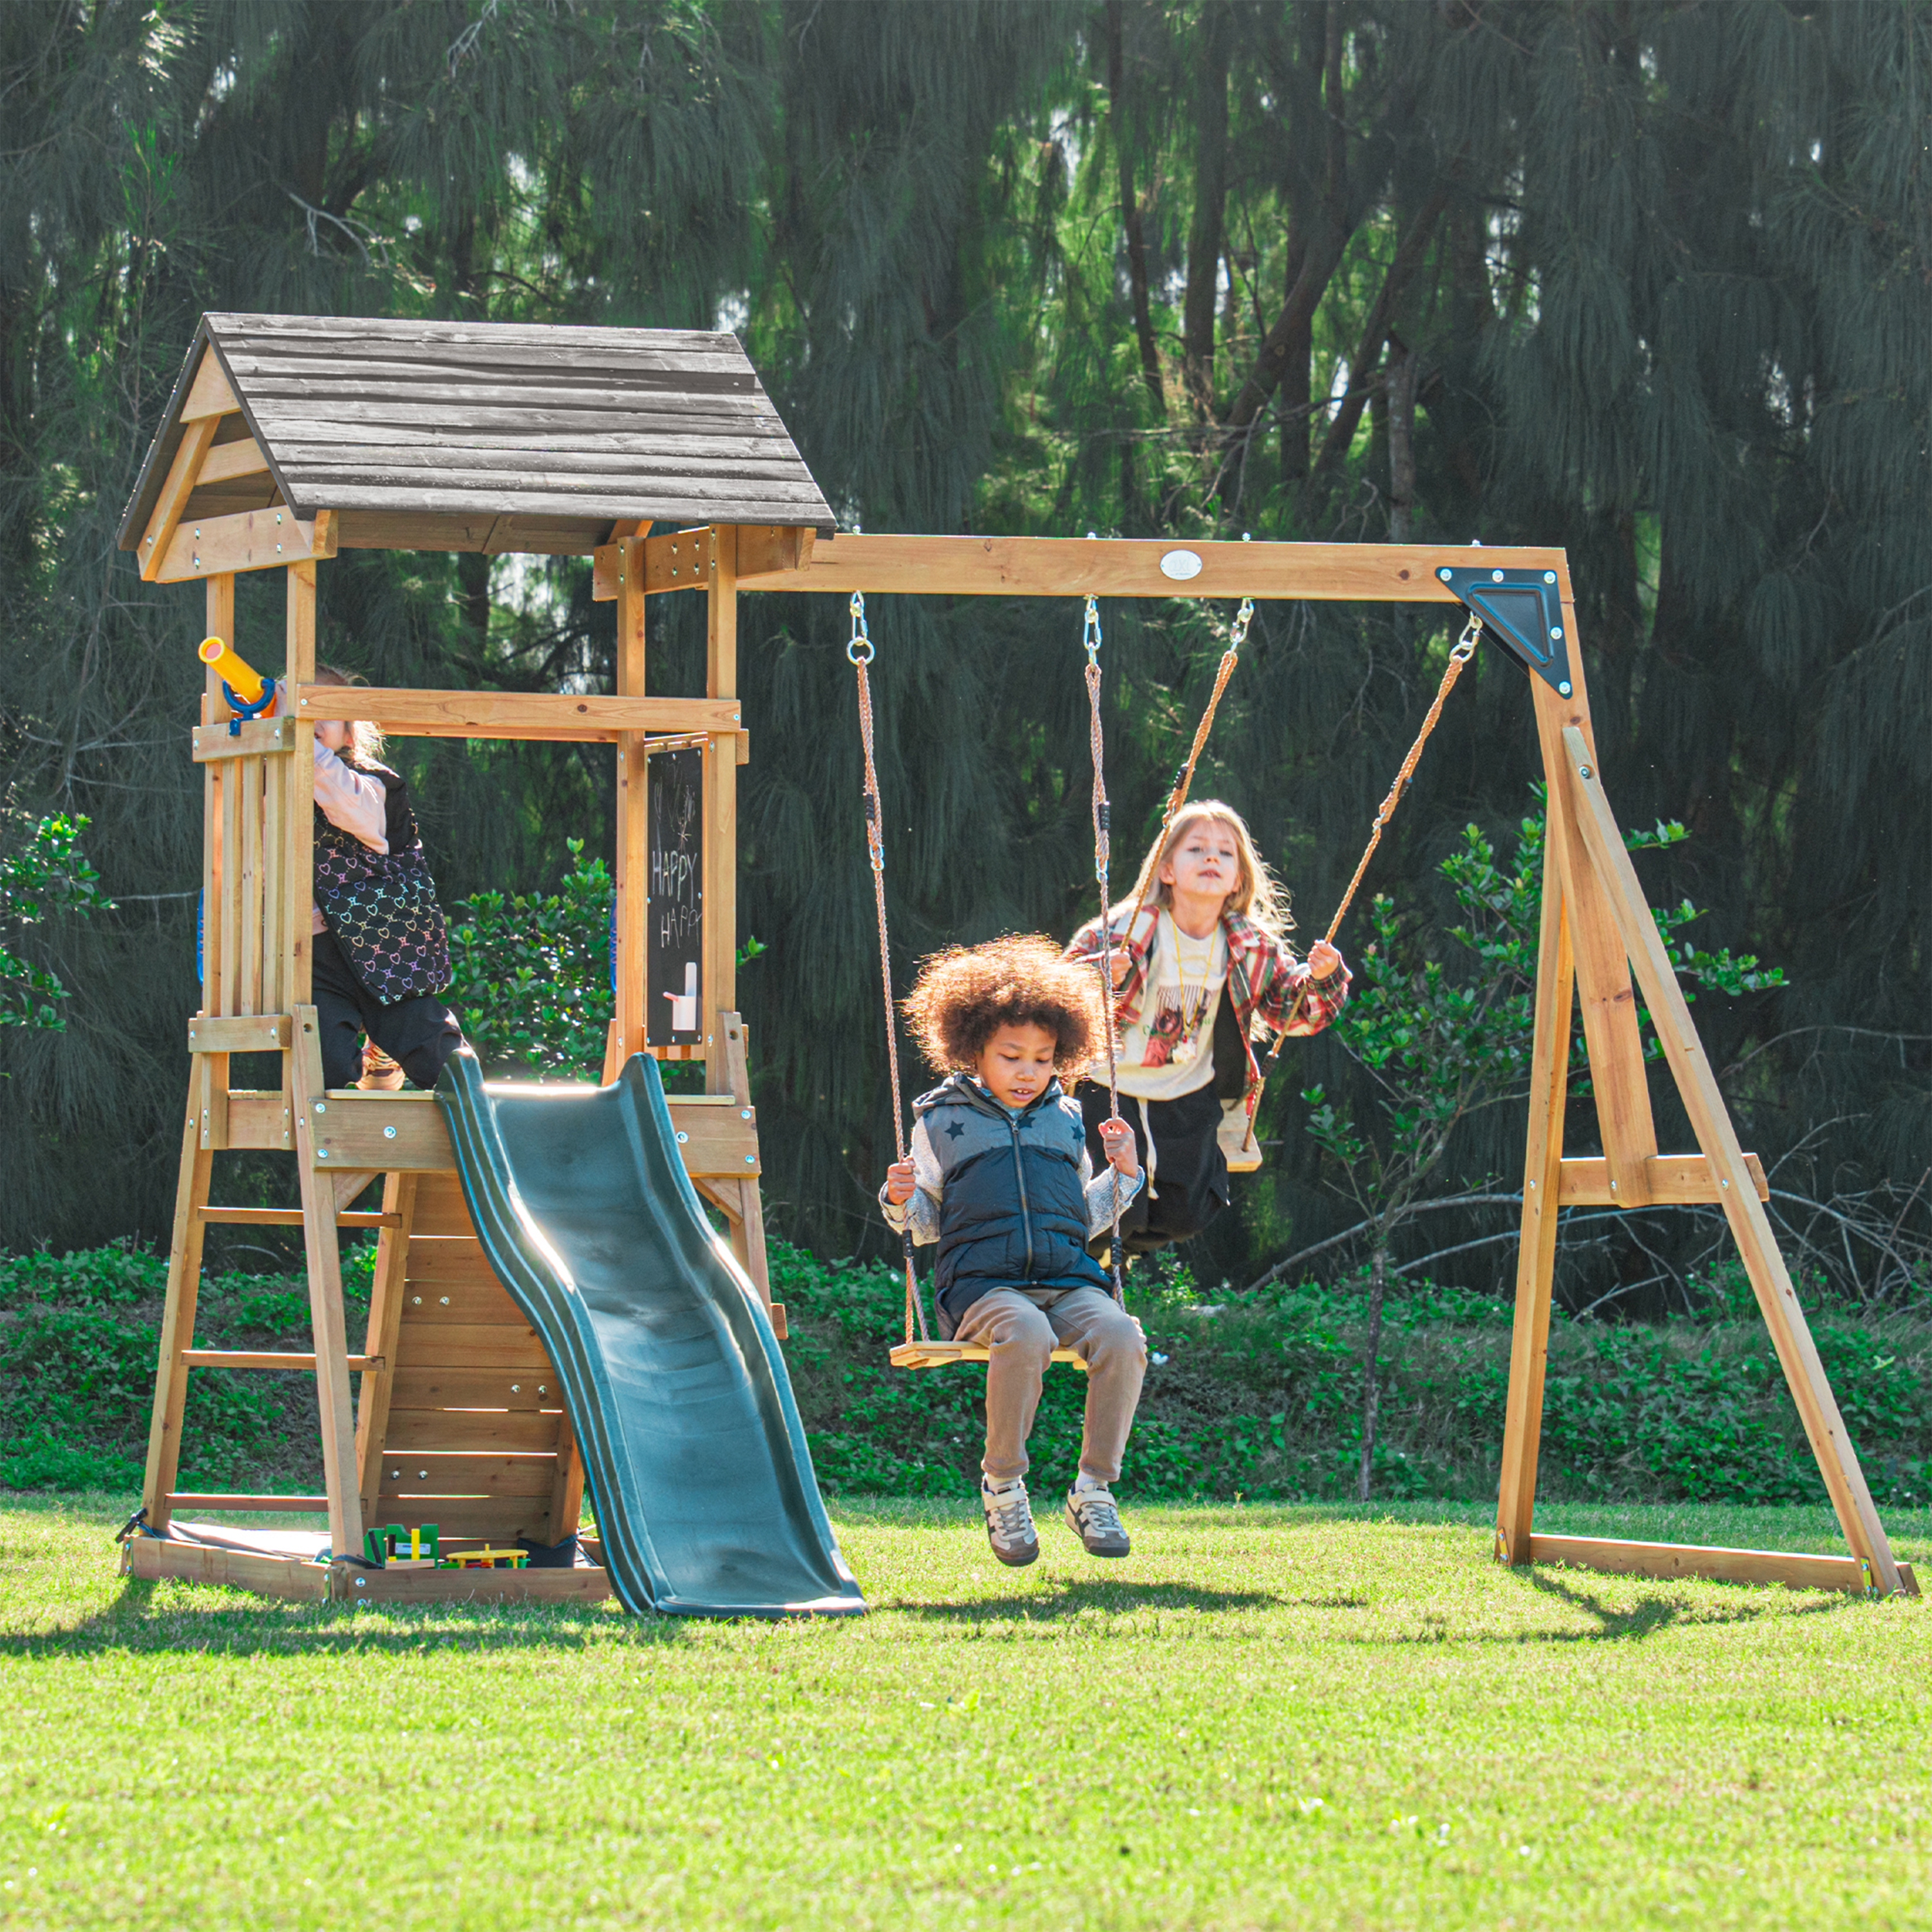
{"x":420,"y":1034}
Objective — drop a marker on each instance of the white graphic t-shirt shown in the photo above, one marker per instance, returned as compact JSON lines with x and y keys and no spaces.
{"x":1169,"y":1050}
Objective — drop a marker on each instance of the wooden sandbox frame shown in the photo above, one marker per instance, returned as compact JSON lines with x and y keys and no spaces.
{"x":452,"y":1426}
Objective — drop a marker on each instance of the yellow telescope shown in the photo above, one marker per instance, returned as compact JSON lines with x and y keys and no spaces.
{"x":240,"y":677}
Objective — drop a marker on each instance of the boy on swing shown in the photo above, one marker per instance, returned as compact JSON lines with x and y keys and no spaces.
{"x":1000,"y":1177}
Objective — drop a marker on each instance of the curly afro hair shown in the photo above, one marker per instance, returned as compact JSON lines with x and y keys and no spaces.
{"x":965,"y":995}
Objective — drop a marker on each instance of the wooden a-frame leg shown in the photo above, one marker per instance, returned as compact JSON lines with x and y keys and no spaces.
{"x":171,"y":1371}
{"x":385,"y":1321}
{"x":566,"y":1493}
{"x":748,"y":1224}
{"x":1536,"y":1255}
{"x":1711,"y":1119}
{"x":325,"y":1298}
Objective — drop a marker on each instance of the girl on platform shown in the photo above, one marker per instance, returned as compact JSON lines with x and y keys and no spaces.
{"x":381,"y":950}
{"x":1205,"y":968}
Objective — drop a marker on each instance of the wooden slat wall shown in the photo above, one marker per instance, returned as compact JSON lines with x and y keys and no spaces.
{"x":481,"y":421}
{"x":474,"y":1407}
{"x":242,"y":909}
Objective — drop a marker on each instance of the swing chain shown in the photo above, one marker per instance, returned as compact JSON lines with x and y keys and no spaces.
{"x":859,"y":653}
{"x":1102,"y":853}
{"x":1465,"y":650}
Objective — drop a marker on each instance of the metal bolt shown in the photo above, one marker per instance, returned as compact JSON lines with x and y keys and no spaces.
{"x":197,"y":534}
{"x":1722,"y":1182}
{"x":1444,"y":573}
{"x":543,"y":1388}
{"x":682,"y":1138}
{"x":422,"y":1475}
{"x":415,"y":1301}
{"x":1556,"y":631}
{"x":1564,"y":687}
{"x":278,"y":519}
{"x":516,"y":1388}
{"x":744,"y":1113}
{"x":322,"y":1106}
{"x":1495,"y":577}
{"x":1532,"y":1187}
{"x":1549,"y":577}
{"x":397,"y":1473}
{"x":443,"y":1301}
{"x":751,"y":1160}
{"x":388,"y":1133}
{"x":322,"y":1154}
{"x":1613,"y":1187}
{"x":1584,"y":771}
{"x":361,"y":1583}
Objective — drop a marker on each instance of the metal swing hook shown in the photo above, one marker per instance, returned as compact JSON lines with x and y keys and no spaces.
{"x":1465,"y":645}
{"x":859,"y":650}
{"x":1244,"y":617}
{"x":1089,"y":635}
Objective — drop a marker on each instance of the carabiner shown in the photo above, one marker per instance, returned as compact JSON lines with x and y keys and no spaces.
{"x":860,"y":635}
{"x":1465,"y":645}
{"x":1090,"y":633}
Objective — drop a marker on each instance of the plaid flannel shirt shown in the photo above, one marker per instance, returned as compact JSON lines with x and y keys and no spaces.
{"x":1264,"y":978}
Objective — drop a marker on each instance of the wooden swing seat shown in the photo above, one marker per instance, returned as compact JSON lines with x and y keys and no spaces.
{"x":943,"y":1354}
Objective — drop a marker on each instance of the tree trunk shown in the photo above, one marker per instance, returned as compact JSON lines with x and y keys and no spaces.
{"x":1371,"y":1378}
{"x":1130,"y":209}
{"x":1297,"y":353}
{"x":1401,"y":440}
{"x":1211,"y":194}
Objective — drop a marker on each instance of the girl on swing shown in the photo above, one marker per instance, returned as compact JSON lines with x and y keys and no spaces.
{"x":1204,"y":967}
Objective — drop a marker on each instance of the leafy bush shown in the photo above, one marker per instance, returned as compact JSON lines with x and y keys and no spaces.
{"x":1259,"y":1396}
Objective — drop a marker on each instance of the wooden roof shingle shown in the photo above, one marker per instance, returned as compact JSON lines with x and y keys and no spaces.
{"x":498,"y":436}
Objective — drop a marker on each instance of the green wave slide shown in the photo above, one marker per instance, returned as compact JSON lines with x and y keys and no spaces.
{"x":706,"y":1504}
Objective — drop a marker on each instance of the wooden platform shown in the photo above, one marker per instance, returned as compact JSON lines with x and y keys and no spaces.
{"x":1800,"y":1570}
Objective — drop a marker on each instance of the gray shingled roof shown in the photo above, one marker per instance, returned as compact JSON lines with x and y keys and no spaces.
{"x":434,"y":434}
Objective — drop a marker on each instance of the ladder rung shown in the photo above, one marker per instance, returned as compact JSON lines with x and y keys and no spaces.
{"x":177,"y":1499}
{"x":258,"y":1358}
{"x":292,"y":1217}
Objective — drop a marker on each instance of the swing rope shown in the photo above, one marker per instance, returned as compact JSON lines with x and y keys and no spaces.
{"x":1184,"y":779}
{"x":1465,"y":650}
{"x":859,"y":653}
{"x":1102,"y":857}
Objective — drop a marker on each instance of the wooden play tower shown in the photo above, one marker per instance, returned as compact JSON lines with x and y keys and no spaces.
{"x":289,"y":439}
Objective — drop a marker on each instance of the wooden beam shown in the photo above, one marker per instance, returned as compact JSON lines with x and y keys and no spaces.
{"x":253,"y":737}
{"x":385,"y":1321}
{"x":1711,"y":1119}
{"x":718,"y":971}
{"x":1536,"y":1252}
{"x":253,"y":1033}
{"x":226,"y":461}
{"x":1110,"y":567}
{"x":1673,"y":1180}
{"x":509,"y":714}
{"x":748,"y":1225}
{"x":391,"y":1133}
{"x":246,"y":540}
{"x":209,"y":394}
{"x":177,"y":1314}
{"x":258,"y":1119}
{"x":632,"y":855}
{"x":1799,"y":1569}
{"x":268,"y":1358}
{"x":336,"y":1411}
{"x":286,"y":1576}
{"x":295,"y":899}
{"x":290,"y":1217}
{"x":1618,"y":1075}
{"x":770,"y":547}
{"x":183,"y":474}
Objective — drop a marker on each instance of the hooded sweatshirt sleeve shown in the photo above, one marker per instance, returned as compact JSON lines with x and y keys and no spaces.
{"x":921,"y":1213}
{"x":1100,"y":1192}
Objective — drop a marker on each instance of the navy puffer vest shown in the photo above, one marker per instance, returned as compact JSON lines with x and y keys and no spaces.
{"x":1013,"y":1211}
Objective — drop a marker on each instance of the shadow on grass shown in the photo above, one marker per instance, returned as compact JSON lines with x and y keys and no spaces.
{"x":1071,"y":1599}
{"x":1651,"y":1613}
{"x":256,"y":1626}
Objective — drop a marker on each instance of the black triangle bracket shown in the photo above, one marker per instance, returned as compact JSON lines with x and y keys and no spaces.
{"x":1522,"y":611}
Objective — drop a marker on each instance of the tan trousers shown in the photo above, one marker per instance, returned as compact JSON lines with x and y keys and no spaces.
{"x":1022,"y":1327}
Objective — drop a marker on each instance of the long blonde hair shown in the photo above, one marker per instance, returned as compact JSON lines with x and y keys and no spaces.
{"x":365,"y":740}
{"x":1259,"y":897}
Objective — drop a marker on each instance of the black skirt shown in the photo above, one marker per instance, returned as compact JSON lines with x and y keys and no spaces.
{"x":1190,"y":1173}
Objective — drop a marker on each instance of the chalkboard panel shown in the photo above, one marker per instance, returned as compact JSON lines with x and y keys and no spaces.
{"x":674,"y":906}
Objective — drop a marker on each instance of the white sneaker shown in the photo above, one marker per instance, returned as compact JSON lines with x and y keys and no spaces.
{"x":1009,"y":1521}
{"x":379,"y":1072}
{"x":1094,"y":1517}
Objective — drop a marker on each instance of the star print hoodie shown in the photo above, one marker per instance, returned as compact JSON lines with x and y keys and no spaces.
{"x":1011,"y":1197}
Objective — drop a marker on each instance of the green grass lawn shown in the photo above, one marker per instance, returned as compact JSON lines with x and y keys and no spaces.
{"x":1278,"y":1716}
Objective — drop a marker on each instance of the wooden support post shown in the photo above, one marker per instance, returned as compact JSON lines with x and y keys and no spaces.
{"x":1536,"y":1256}
{"x":212,"y":1069}
{"x":385,"y":1321}
{"x":171,"y":1371}
{"x":1616,"y":885}
{"x":566,"y":1493}
{"x":1617,"y":1071}
{"x":719,"y":971}
{"x":748,"y":1225}
{"x":325,"y":1292}
{"x":633,"y":796}
{"x":297,"y":887}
